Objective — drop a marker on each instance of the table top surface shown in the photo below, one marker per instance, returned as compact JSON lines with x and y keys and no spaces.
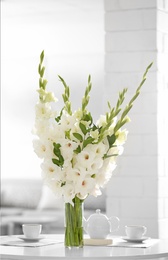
{"x":59,"y":251}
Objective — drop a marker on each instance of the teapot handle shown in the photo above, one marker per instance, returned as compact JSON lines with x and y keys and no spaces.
{"x":84,"y":222}
{"x":115,"y":222}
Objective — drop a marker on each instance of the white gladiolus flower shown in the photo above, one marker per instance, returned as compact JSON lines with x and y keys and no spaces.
{"x":84,"y":159}
{"x":43,"y":148}
{"x":101,"y":121}
{"x":96,"y":192}
{"x":105,"y":172}
{"x":98,"y":149}
{"x":116,"y":150}
{"x":85,"y":186}
{"x":81,"y":197}
{"x":41,"y":127}
{"x":78,"y":114}
{"x":50,"y":170}
{"x":121,"y":137}
{"x":56,"y":134}
{"x":96,"y":165}
{"x":67,"y":122}
{"x":95,"y":134}
{"x":45,"y":96}
{"x":55,"y":186}
{"x":75,"y":174}
{"x":67,"y":149}
{"x":68,"y":192}
{"x":43,"y":110}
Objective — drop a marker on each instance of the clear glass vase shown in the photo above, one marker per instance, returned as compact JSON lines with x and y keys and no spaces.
{"x":74,"y":224}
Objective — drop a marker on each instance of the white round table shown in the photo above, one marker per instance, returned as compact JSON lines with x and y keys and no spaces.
{"x":59,"y":252}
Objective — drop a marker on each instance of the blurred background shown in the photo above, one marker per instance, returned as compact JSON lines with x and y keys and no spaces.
{"x":114,"y":41}
{"x":72,"y":35}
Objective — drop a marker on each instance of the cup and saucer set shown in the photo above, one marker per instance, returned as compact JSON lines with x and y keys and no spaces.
{"x":31,"y":233}
{"x":135,"y":234}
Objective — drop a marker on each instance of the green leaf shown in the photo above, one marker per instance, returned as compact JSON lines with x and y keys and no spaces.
{"x":93,"y":176}
{"x":67,"y":134}
{"x":40,"y":82}
{"x":57,"y":119}
{"x":41,"y":56}
{"x":44,"y":83}
{"x":63,"y":183}
{"x":111,"y":140}
{"x":39,"y":68}
{"x":83,"y":128}
{"x":56,"y":146}
{"x":77,"y":150}
{"x":61,"y":159}
{"x":87,"y":117}
{"x":57,"y":152}
{"x":94,"y":128}
{"x":110,"y":155}
{"x":89,"y":140}
{"x":78,"y":136}
{"x":42,"y":72}
{"x":55,"y":161}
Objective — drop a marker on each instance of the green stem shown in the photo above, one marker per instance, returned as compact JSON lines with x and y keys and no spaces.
{"x":73,"y":224}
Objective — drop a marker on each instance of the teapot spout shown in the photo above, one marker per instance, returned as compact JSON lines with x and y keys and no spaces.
{"x":115,"y":223}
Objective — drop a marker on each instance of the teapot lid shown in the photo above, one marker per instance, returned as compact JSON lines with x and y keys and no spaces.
{"x":98,"y":211}
{"x":98,"y":218}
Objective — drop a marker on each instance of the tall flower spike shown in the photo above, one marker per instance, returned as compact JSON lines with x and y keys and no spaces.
{"x":113,"y":113}
{"x":123,"y":119}
{"x":41,"y":69}
{"x":66,"y":96}
{"x":86,"y":98}
{"x":44,"y":95}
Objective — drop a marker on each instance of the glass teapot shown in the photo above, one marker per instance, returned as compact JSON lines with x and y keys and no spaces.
{"x":99,"y":226}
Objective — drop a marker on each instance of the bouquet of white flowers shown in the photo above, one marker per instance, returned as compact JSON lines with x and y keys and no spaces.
{"x":78,"y":155}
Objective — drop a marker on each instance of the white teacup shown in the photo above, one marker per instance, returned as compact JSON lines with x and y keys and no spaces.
{"x":31,"y":230}
{"x":135,"y":232}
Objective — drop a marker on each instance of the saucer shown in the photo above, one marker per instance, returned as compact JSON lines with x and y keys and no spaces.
{"x":26,"y":239}
{"x":135,"y":240}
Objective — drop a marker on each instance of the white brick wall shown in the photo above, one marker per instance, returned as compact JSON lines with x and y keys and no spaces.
{"x":140,"y":40}
{"x":111,"y":5}
{"x":122,"y":20}
{"x":136,"y":34}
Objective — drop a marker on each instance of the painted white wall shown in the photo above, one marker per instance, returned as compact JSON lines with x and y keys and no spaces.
{"x":72,"y":35}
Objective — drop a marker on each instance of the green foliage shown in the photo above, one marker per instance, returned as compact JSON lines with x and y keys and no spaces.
{"x":78,"y":136}
{"x":78,"y":149}
{"x":87,"y":141}
{"x":60,"y":160}
{"x":83,"y":128}
{"x":111,"y":140}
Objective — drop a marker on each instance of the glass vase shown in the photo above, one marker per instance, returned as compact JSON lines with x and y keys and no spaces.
{"x":74,"y":224}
